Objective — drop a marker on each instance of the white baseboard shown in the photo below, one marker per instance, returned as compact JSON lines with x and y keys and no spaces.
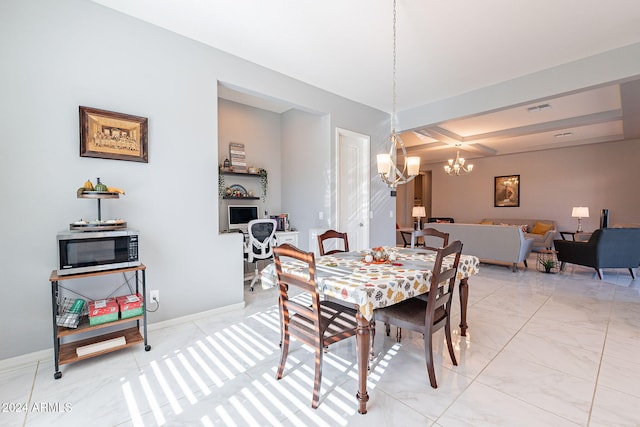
{"x":27,"y":359}
{"x":195,"y":316}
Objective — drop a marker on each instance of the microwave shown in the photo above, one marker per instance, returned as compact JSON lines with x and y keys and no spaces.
{"x":88,"y":251}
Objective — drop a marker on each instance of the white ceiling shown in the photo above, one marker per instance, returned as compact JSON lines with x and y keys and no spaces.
{"x":444,"y":49}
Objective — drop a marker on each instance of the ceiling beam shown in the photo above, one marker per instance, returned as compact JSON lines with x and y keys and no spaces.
{"x":589,"y":119}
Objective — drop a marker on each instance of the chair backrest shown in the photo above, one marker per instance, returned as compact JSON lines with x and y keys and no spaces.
{"x":310,"y":312}
{"x":261,"y":234}
{"x":441,"y":219}
{"x":329,"y":235}
{"x":429,"y":233}
{"x":616,"y":246}
{"x":443,"y":272}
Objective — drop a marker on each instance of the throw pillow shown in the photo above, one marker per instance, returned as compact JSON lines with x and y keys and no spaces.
{"x":541,"y":228}
{"x":525,"y":228}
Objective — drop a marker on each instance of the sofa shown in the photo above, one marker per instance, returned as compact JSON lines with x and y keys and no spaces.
{"x":542,"y":231}
{"x":606,"y":248}
{"x":490,"y":242}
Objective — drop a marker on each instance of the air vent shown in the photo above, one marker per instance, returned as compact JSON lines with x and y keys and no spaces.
{"x":537,"y":108}
{"x":563,"y":135}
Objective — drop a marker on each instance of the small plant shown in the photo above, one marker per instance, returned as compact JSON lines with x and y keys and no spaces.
{"x":221,"y":184}
{"x":548,"y":264}
{"x":264,"y":182}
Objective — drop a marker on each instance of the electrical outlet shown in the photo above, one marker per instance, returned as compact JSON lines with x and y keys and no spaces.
{"x":155,"y":295}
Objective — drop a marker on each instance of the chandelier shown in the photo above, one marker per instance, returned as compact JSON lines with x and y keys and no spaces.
{"x":456,"y":167}
{"x":388,"y":168}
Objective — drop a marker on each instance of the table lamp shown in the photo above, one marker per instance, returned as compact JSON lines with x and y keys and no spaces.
{"x":419,"y":212}
{"x":580,"y":212}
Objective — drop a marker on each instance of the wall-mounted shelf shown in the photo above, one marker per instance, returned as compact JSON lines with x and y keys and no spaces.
{"x":240,"y":198}
{"x":239,"y":173}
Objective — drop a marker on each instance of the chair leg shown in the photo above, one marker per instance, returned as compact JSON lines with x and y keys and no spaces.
{"x":318,"y":377}
{"x":447,"y":333}
{"x":428,"y":355}
{"x":599,"y":271}
{"x":284,"y":345}
{"x":387,"y":328}
{"x":256,"y":276}
{"x":633,"y":273}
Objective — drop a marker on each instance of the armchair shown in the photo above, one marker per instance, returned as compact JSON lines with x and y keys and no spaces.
{"x":607,"y":248}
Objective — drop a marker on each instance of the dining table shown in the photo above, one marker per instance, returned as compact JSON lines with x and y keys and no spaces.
{"x":348,"y":278}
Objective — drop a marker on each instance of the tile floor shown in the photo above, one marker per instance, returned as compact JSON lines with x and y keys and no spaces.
{"x":542,"y":349}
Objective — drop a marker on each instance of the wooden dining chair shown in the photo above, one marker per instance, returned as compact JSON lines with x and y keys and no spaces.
{"x":428,"y":233}
{"x":429,"y":316}
{"x":424,"y":233}
{"x":318,"y":325}
{"x":335,"y":237}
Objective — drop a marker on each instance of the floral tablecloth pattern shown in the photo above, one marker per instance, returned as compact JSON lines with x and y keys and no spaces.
{"x":346,"y":277}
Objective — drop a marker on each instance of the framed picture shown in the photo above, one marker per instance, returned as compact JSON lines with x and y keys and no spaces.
{"x":110,"y":135}
{"x":506,"y":191}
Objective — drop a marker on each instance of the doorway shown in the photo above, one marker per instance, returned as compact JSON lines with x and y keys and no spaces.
{"x":415,"y":193}
{"x":353,"y":187}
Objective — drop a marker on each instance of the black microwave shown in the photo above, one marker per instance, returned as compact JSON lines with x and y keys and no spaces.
{"x":88,"y":251}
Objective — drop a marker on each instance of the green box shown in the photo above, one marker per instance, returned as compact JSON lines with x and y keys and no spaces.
{"x":131,"y":313}
{"x":105,"y":318}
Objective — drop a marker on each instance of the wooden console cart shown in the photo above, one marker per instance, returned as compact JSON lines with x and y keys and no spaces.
{"x":66,"y":352}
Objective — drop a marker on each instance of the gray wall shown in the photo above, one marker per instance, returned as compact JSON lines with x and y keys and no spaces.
{"x":59,"y":55}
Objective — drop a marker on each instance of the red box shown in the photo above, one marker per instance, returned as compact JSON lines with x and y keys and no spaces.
{"x":129,"y":302}
{"x":130,"y":306}
{"x":102,"y":307}
{"x":103,"y":311}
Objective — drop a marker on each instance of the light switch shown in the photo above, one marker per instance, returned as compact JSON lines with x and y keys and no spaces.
{"x":321,"y":215}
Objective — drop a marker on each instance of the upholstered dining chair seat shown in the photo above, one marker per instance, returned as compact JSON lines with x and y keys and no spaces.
{"x":411,"y":312}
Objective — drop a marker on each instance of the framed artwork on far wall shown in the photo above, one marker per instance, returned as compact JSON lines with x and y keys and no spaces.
{"x":506,"y":191}
{"x":110,"y":135}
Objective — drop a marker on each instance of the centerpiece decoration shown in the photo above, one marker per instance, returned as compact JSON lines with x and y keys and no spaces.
{"x":379,"y":254}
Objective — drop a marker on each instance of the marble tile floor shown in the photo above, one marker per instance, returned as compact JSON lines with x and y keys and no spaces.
{"x":542,"y":349}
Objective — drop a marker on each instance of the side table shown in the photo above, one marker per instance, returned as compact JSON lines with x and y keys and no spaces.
{"x":575,"y":236}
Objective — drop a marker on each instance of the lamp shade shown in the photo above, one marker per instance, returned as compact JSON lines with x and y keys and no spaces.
{"x":580,"y":212}
{"x":413,"y":166}
{"x":384,"y":163}
{"x":418,"y":212}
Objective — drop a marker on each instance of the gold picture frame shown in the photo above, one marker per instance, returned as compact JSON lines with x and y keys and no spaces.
{"x":506,"y":191}
{"x":110,"y":135}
